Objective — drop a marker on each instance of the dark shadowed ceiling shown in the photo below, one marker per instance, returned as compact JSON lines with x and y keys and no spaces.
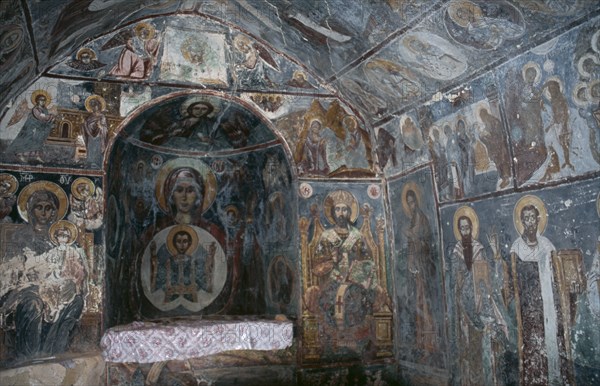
{"x":380,"y":56}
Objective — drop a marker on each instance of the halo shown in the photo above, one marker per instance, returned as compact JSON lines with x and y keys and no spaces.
{"x":83,"y":51}
{"x":39,"y":92}
{"x":536,"y":67}
{"x":200,"y":98}
{"x":411,"y":185}
{"x":138,"y":30}
{"x":182,"y":228}
{"x":581,"y":62}
{"x":233,"y":209}
{"x":590,"y":88}
{"x":595,"y":41}
{"x":328,"y":205}
{"x":210,"y":181}
{"x":79,"y":181}
{"x":351,"y":118}
{"x":89,"y":99}
{"x":63,"y":203}
{"x":560,"y":86}
{"x":469,"y":212}
{"x":414,"y":141}
{"x":539,"y":204}
{"x":479,"y":108}
{"x":580,"y":88}
{"x":298,"y":73}
{"x":463,"y":19}
{"x":240,"y":39}
{"x":63,"y":224}
{"x":12,"y":180}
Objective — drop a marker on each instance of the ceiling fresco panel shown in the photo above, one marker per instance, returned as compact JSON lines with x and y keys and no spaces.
{"x":17,"y":60}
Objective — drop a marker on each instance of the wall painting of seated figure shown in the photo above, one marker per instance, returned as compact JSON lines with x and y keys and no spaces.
{"x":346,"y":304}
{"x":51,"y":268}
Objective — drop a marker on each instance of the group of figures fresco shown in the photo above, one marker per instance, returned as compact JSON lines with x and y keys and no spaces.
{"x":50,"y":129}
{"x":517,"y":307}
{"x":50,"y":275}
{"x":515,"y":302}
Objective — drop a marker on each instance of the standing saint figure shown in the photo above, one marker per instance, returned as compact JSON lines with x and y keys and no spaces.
{"x":314,"y":155}
{"x":479,"y":329}
{"x":95,"y":129}
{"x":419,"y":253}
{"x":544,"y":353}
{"x":30,"y":140}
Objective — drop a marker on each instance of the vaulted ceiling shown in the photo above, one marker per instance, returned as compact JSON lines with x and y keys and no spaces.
{"x":380,"y":56}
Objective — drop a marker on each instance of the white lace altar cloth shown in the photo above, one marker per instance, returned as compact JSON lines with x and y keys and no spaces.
{"x":147,"y":342}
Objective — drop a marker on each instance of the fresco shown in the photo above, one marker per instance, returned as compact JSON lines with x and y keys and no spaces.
{"x":200,"y":123}
{"x":519,"y":292}
{"x":483,"y":26}
{"x":16,"y":55}
{"x":467,"y":141}
{"x":200,"y":235}
{"x":61,"y":122}
{"x":418,"y":268}
{"x":538,"y":90}
{"x":183,"y":50}
{"x":51,"y":263}
{"x":345,"y":276}
{"x":327,"y":140}
{"x":401,"y":144}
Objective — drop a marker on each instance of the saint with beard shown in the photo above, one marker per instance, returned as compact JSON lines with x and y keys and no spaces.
{"x":418,"y":249}
{"x":344,"y":260}
{"x":478,"y":327}
{"x":544,"y":354}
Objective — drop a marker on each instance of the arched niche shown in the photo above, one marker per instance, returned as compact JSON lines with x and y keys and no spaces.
{"x":200,"y":202}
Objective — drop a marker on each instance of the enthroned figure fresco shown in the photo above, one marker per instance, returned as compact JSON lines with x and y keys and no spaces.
{"x":45,"y":272}
{"x":345,"y":290}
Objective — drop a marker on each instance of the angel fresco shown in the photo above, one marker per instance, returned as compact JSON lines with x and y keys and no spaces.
{"x":30,"y":140}
{"x":140,"y":54}
{"x":85,"y":60}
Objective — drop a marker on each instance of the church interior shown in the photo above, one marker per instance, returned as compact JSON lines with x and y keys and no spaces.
{"x":299,"y":192}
